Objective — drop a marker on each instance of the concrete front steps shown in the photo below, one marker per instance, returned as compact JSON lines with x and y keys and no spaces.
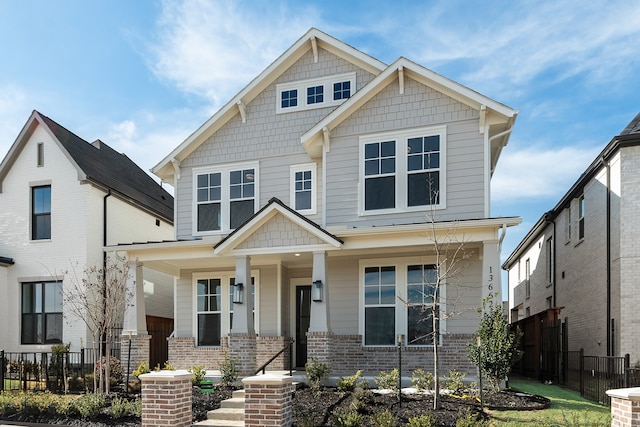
{"x":229,"y":414}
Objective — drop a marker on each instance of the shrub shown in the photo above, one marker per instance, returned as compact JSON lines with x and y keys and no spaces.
{"x":469,"y":419}
{"x":426,"y":420}
{"x":166,"y":367}
{"x":384,"y":419}
{"x":121,"y":407}
{"x":422,"y":380}
{"x":143,"y":368}
{"x":38,"y":403}
{"x":388,"y":380}
{"x":115,"y":369}
{"x":198,"y":374}
{"x":90,"y":405}
{"x":348,"y":383}
{"x":228,"y":370}
{"x":455,"y":382}
{"x":76,"y":383}
{"x":316,"y":372}
{"x":348,"y":418}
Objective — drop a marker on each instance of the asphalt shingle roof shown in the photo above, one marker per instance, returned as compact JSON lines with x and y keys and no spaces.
{"x":115,"y":171}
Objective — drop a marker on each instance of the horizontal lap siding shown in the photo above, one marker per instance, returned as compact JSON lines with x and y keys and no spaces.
{"x":273,"y":139}
{"x":418,"y":107}
{"x":343,"y":294}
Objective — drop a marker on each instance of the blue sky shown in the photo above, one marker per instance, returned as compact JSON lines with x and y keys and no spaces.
{"x":142,"y":75}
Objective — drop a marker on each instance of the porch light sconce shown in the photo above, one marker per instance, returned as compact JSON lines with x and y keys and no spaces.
{"x":400,"y":339}
{"x":316,"y":291}
{"x":238,"y":293}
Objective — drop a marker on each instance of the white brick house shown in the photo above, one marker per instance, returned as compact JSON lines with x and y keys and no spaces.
{"x":324,"y":173}
{"x":583,"y":254}
{"x":62,"y":200}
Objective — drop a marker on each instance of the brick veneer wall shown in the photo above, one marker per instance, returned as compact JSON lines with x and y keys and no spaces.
{"x":139,"y":350}
{"x":243,"y":348}
{"x":268,"y":400}
{"x":345,"y":354}
{"x":267,"y":347}
{"x":625,"y":407}
{"x":183,"y":353}
{"x":166,"y":399}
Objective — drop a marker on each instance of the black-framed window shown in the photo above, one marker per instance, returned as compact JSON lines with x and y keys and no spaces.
{"x":241,"y":195}
{"x":41,"y":313}
{"x":581,"y":217}
{"x":341,"y":90}
{"x":315,"y":94}
{"x":380,"y":175}
{"x":379,"y":305}
{"x":209,"y":312}
{"x":289,"y":98}
{"x":209,"y":195}
{"x":41,"y":212}
{"x":423,"y":168}
{"x":422,"y":282}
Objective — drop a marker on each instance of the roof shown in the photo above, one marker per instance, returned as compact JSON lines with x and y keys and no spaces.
{"x":629,"y":136}
{"x":5,"y":262}
{"x":497,"y":118}
{"x":99,"y":164}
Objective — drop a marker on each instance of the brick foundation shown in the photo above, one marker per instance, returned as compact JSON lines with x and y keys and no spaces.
{"x":183,"y":354}
{"x":267,"y":347}
{"x":345,"y":354}
{"x":268,"y":400}
{"x":139,"y":350}
{"x":243,"y":347}
{"x":625,"y":407}
{"x":166,"y":399}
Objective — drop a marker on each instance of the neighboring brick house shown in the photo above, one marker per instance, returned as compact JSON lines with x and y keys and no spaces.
{"x":62,"y":200}
{"x":306,"y":207}
{"x":582,"y":256}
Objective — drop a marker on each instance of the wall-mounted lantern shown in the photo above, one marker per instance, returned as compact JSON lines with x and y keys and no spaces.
{"x":238,"y":293}
{"x":316,"y":291}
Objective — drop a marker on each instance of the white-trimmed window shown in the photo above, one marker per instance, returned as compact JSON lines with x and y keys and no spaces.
{"x":403,"y":171}
{"x":225,"y":197}
{"x":397,"y":297}
{"x":315,"y":93}
{"x":41,"y":313}
{"x":581,"y":217}
{"x":303,"y":188}
{"x":213,"y":300}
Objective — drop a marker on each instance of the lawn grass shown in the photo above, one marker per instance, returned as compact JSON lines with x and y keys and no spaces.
{"x":567,"y":408}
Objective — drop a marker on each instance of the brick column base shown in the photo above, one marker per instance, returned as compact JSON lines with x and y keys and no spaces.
{"x":625,"y":407}
{"x":166,"y":399}
{"x":244,"y":348}
{"x":139,"y":351}
{"x":268,"y":400}
{"x":319,"y":345}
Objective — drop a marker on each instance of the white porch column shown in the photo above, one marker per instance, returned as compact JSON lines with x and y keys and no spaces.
{"x":319,"y":321}
{"x":243,"y":313}
{"x":491,"y":280}
{"x":135,"y":319}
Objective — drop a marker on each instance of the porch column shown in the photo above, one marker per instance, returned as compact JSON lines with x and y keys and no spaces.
{"x":135,"y":319}
{"x":319,"y":321}
{"x":491,"y":280}
{"x":243,"y":312}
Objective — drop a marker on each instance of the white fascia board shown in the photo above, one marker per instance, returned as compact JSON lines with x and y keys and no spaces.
{"x":164,"y":170}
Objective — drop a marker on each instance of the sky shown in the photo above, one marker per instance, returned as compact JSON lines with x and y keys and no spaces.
{"x":143,"y":75}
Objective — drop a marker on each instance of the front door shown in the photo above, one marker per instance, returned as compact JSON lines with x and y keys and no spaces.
{"x":302,"y":318}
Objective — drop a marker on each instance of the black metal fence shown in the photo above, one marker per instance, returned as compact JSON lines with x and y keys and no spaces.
{"x":592,"y":376}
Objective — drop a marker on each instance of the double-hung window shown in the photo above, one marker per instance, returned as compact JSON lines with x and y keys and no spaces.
{"x":303,"y":188}
{"x":581,"y":217}
{"x":225,"y":197}
{"x":41,"y":212}
{"x":41,"y":313}
{"x":422,"y":287}
{"x":403,"y":171}
{"x":400,"y":296}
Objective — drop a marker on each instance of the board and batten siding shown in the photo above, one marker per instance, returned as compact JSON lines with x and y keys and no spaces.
{"x":273,"y":139}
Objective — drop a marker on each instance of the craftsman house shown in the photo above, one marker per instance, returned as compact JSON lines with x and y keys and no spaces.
{"x":62,"y":200}
{"x":308,"y":206}
{"x":580,"y":258}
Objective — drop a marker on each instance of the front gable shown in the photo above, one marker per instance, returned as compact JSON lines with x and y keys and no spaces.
{"x":277,"y":229}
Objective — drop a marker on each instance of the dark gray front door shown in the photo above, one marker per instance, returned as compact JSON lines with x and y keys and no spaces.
{"x":303,"y":316}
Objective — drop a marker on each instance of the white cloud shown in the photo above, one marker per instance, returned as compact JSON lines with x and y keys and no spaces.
{"x":213,"y":49}
{"x":537,"y":173}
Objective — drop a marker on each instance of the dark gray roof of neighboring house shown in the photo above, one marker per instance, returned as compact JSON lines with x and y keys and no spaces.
{"x":115,"y":171}
{"x":5,"y":262}
{"x":630,"y":136}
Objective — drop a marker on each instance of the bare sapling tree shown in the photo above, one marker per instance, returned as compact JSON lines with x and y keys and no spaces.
{"x":99,"y":298}
{"x":425,"y":299}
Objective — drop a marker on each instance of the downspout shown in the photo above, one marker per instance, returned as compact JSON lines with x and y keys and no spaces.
{"x":610,"y":349}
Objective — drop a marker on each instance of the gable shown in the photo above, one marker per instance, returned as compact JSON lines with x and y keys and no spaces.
{"x":280,"y":232}
{"x":310,"y":46}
